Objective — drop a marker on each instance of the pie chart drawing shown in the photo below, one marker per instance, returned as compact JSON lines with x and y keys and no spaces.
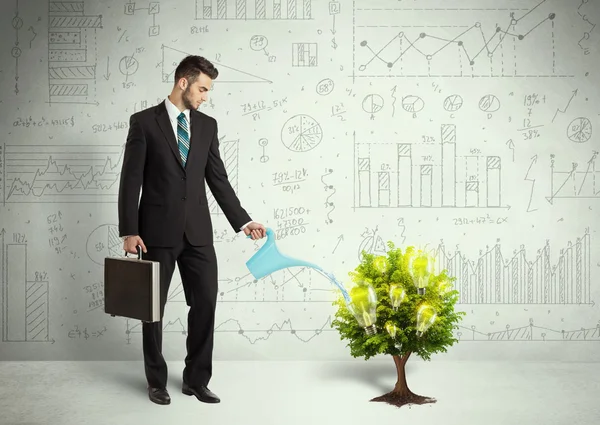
{"x":372,"y":103}
{"x":104,"y":241}
{"x":301,"y":133}
{"x":579,"y":130}
{"x":453,"y":103}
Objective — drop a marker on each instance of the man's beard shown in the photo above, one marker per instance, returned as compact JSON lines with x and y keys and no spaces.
{"x":186,"y":101}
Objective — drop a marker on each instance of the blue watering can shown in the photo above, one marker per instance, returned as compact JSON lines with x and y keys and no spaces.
{"x":268,"y":259}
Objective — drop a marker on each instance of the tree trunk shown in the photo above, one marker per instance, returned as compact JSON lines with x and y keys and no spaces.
{"x":402,"y":395}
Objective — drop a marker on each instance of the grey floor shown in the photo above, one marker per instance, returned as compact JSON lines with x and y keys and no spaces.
{"x":289,"y":393}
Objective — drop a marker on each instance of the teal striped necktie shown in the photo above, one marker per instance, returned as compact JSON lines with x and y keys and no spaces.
{"x":183,"y":138}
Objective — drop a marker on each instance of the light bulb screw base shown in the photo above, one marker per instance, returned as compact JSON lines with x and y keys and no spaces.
{"x":421,"y":291}
{"x":371,"y":330}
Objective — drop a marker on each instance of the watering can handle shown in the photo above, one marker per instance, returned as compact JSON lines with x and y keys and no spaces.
{"x":270,"y":234}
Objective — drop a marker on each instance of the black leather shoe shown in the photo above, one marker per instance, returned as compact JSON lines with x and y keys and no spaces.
{"x":159,"y":395}
{"x":202,"y":393}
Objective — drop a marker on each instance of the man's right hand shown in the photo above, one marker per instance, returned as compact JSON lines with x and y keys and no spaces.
{"x":131,"y":242}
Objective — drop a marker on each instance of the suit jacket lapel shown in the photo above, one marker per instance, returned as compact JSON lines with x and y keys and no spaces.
{"x":165,"y":125}
{"x":196,"y":128}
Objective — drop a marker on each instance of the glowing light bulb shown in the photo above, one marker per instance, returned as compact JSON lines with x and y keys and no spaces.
{"x":444,"y":287}
{"x":397,"y":295}
{"x":425,"y":318}
{"x":420,"y":267}
{"x":392,"y":330}
{"x":380,"y":263}
{"x":363,"y":306}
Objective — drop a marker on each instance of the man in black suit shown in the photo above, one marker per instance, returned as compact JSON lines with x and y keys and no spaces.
{"x":171,"y":149}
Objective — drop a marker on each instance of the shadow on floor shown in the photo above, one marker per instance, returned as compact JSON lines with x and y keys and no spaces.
{"x":127,"y":375}
{"x":378,"y":374}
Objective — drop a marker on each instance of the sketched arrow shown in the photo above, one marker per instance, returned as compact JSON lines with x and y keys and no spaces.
{"x":533,"y":162}
{"x":340,"y":239}
{"x":511,"y":146}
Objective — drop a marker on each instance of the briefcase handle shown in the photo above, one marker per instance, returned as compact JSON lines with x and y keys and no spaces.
{"x":139,"y":252}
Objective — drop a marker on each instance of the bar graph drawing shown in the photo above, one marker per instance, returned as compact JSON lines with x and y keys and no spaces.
{"x":304,"y":54}
{"x":72,"y":61}
{"x":243,"y":10}
{"x":25,"y":302}
{"x":495,"y":279}
{"x":411,"y":175}
{"x":230,"y":154}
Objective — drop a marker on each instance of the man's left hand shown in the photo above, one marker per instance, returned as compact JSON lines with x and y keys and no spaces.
{"x":256,"y":230}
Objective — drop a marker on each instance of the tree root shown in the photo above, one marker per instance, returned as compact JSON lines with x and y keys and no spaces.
{"x":397,"y":399}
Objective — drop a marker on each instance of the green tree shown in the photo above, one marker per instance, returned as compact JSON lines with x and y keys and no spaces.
{"x":399,"y":306}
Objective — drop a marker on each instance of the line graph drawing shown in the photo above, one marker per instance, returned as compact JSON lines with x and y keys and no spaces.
{"x":72,"y":61}
{"x":297,"y":285}
{"x":25,"y":302}
{"x":61,"y":173}
{"x":235,"y":326}
{"x":425,"y":175}
{"x":230,"y":154}
{"x":243,"y":10}
{"x":458,"y":41}
{"x":171,"y":58}
{"x":525,"y":333}
{"x":580,"y":182}
{"x":496,"y":279}
{"x":529,"y":332}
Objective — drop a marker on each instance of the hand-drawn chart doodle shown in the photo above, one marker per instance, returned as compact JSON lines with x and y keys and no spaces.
{"x":301,"y":133}
{"x":227,"y":74}
{"x":25,"y":295}
{"x":580,"y":130}
{"x":104,"y":241}
{"x":72,"y":57}
{"x":254,"y":10}
{"x":403,"y":175}
{"x":457,"y":42}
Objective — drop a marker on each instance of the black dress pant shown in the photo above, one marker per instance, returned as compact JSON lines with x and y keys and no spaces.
{"x":198,"y":269}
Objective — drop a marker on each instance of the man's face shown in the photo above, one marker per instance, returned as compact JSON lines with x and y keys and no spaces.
{"x":197,"y":93}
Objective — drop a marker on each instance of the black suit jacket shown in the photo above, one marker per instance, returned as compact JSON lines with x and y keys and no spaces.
{"x":173,"y":200}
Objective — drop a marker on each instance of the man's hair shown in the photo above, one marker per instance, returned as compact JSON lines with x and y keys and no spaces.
{"x":191,"y":66}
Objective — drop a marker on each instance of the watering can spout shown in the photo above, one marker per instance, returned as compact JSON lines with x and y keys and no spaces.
{"x":268,"y":259}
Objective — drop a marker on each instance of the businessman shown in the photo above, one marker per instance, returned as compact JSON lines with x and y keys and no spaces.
{"x":171,"y":149}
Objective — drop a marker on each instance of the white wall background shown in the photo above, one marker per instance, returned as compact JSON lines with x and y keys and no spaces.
{"x":468,"y":125}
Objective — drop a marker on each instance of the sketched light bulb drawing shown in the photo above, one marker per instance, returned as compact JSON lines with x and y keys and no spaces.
{"x":420,"y":267}
{"x":425,"y":318}
{"x":363,"y":306}
{"x":397,"y":295}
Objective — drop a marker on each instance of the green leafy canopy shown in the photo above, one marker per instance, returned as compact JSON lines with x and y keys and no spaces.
{"x":380,"y":272}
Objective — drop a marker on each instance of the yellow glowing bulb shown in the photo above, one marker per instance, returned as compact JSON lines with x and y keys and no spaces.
{"x":391,"y":329}
{"x":425,"y":318}
{"x":420,"y":267}
{"x":380,"y":263}
{"x":444,"y":286}
{"x":397,"y":295}
{"x":364,"y":307}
